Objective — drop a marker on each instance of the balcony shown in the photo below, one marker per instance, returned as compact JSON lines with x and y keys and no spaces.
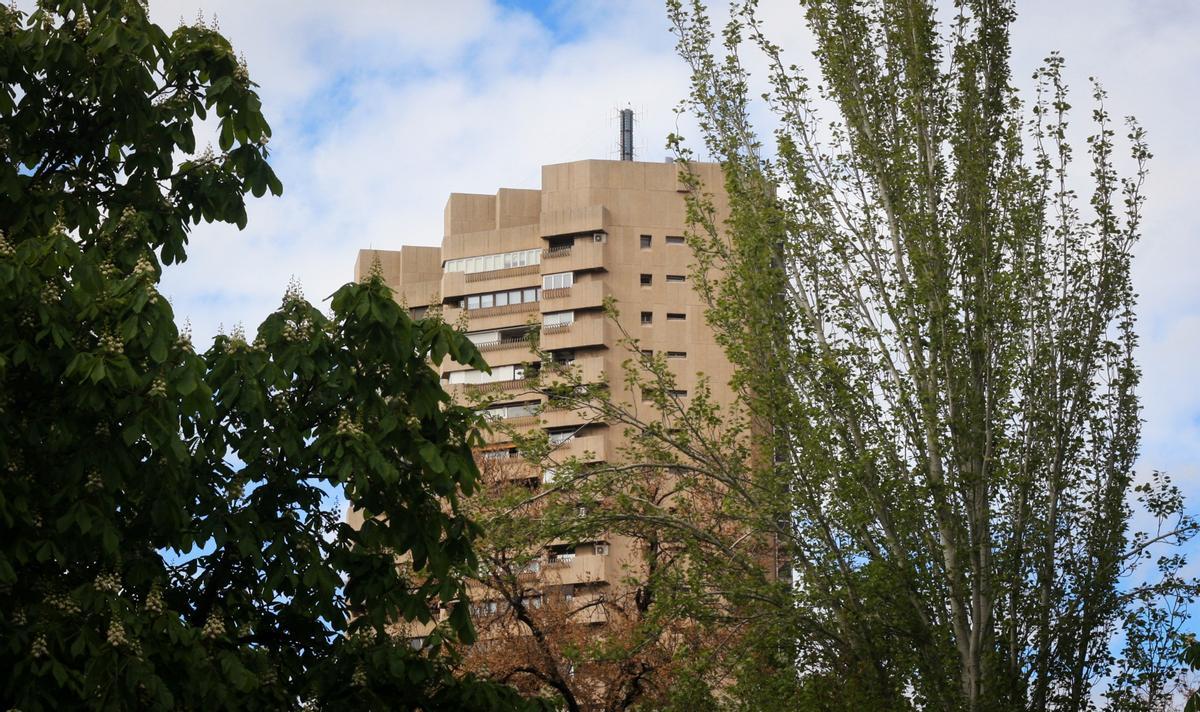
{"x":587,"y":330}
{"x":573,"y":221}
{"x":582,"y":568}
{"x":509,"y":469}
{"x":458,"y":284}
{"x":493,"y":317}
{"x":587,"y":608}
{"x":482,"y":389}
{"x":587,"y":448}
{"x":587,"y":370}
{"x":566,"y":417}
{"x":581,"y":295}
{"x":585,"y":255}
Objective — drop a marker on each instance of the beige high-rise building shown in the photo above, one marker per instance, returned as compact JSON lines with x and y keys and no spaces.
{"x":548,"y":259}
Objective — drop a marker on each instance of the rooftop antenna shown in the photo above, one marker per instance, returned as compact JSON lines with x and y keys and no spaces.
{"x":626,"y":134}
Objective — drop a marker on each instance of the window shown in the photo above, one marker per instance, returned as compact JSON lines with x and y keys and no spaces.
{"x":501,"y":299}
{"x":676,"y":278}
{"x":677,"y":394}
{"x":675,"y":240}
{"x":558,"y":280}
{"x":558,"y":437}
{"x":677,"y":354}
{"x":487,"y":263}
{"x":675,"y":316}
{"x":558,"y":318}
{"x":645,"y":242}
{"x":484,"y":337}
{"x":499,"y":373}
{"x":561,"y":554}
{"x":647,"y":317}
{"x":499,"y":454}
{"x":502,"y":412}
{"x":648,"y":353}
{"x":647,"y":280}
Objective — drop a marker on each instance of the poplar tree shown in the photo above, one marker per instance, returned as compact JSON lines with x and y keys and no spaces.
{"x":926,"y":293}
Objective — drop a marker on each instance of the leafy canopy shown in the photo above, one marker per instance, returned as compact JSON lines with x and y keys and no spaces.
{"x":166,"y":538}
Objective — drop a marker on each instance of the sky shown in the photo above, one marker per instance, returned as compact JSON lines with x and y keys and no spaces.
{"x":381,"y":109}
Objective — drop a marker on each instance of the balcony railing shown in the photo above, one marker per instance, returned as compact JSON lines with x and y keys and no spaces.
{"x":502,"y":343}
{"x":513,"y":385}
{"x":553,"y":252}
{"x":500,"y":273}
{"x":506,"y":309}
{"x":560,"y":293}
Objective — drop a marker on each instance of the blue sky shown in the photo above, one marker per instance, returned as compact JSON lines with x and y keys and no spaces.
{"x":381,"y":109}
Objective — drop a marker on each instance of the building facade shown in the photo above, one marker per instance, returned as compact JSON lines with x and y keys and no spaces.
{"x":548,"y":259}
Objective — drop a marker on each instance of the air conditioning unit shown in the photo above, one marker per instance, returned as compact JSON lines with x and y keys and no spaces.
{"x":599,"y":236}
{"x":602,"y":549}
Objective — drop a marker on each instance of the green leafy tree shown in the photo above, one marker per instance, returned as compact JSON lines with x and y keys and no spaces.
{"x":935,"y":336}
{"x":166,"y":533}
{"x":923,"y":498}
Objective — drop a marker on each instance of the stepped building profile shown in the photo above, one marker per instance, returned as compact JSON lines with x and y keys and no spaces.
{"x":548,"y":259}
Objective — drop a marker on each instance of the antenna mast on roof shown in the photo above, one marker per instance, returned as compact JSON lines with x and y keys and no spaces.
{"x":626,"y":134}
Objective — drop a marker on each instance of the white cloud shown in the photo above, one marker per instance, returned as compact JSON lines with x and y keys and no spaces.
{"x":381,"y":109}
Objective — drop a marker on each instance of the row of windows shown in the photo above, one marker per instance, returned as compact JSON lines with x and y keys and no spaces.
{"x":558,"y":318}
{"x":649,"y":353}
{"x":648,"y":317}
{"x":489,"y":263}
{"x":648,"y":280}
{"x":514,"y":410}
{"x":501,"y":299}
{"x":648,"y":241}
{"x":558,"y":280}
{"x":498,"y":374}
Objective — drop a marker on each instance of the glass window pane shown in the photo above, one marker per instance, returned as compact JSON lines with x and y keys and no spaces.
{"x":473,"y":302}
{"x":531,"y":294}
{"x":502,"y":299}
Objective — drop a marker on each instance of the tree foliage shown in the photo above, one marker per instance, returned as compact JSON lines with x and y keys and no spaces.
{"x":167,"y":538}
{"x":934,"y":333}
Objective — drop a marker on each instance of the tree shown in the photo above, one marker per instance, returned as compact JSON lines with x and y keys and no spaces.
{"x":166,"y":536}
{"x":935,"y":338}
{"x":648,"y":635}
